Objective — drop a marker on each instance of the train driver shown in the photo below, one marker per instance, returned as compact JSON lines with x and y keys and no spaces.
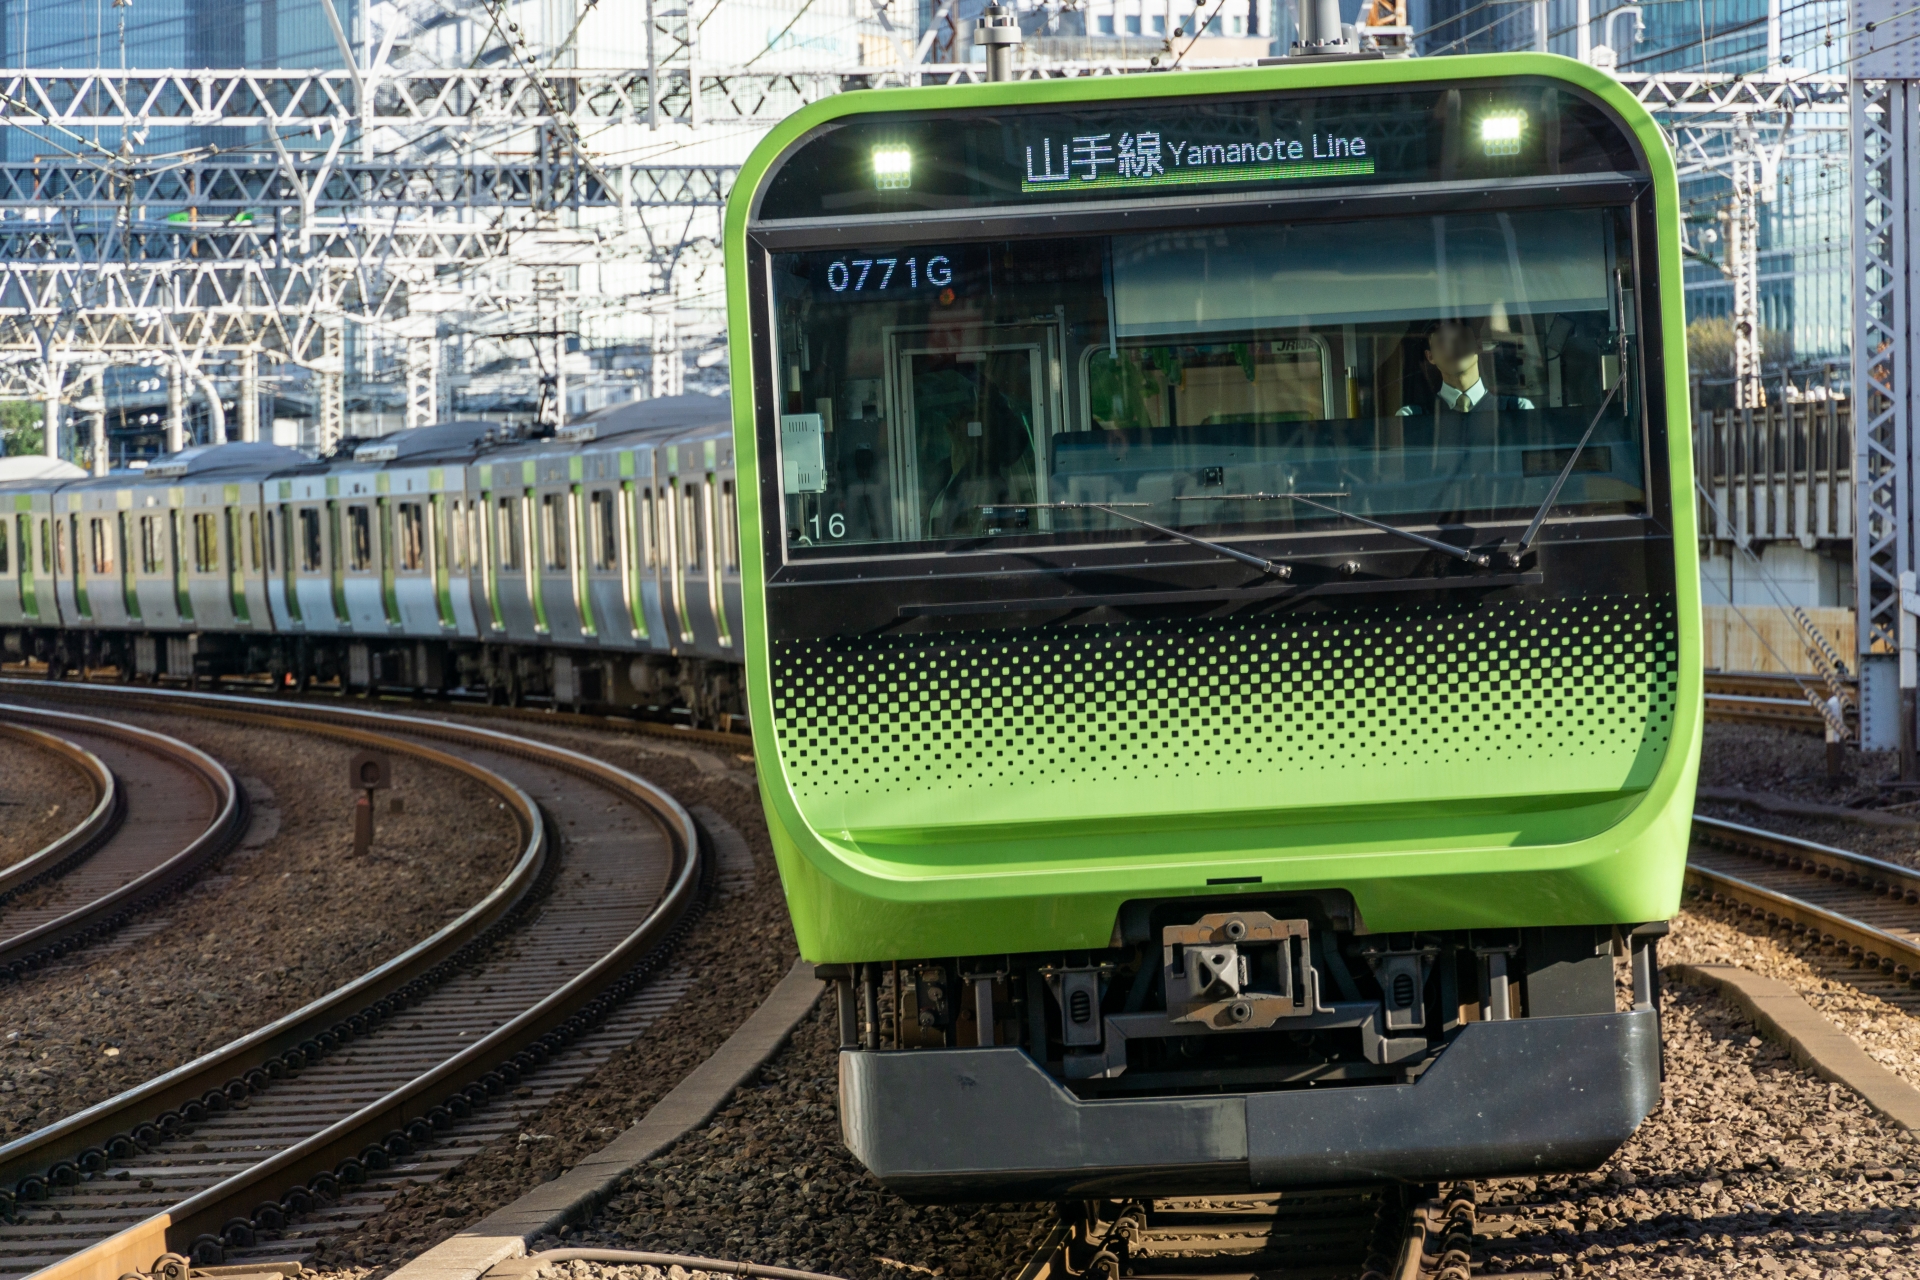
{"x":1453,"y":355}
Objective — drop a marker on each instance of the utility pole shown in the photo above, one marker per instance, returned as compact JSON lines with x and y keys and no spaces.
{"x":53,"y":373}
{"x":1884,"y":96}
{"x":249,"y":395}
{"x":1742,"y":223}
{"x":176,"y":406}
{"x":95,"y":405}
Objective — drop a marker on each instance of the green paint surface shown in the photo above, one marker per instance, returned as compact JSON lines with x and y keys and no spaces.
{"x":967,"y":793}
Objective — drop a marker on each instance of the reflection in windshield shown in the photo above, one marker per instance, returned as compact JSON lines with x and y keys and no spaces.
{"x":1436,"y":369}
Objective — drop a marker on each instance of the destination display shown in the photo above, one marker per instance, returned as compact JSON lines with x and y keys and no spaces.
{"x":1019,"y":157}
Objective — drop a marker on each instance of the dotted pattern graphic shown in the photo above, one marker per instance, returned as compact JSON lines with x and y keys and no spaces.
{"x":1527,"y":696}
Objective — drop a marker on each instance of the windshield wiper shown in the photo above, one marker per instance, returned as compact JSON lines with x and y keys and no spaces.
{"x":1553,"y":494}
{"x":1281,"y":571}
{"x":1459,"y":553}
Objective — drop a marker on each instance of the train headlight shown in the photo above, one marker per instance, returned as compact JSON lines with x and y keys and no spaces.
{"x":1500,"y":134}
{"x":892,"y":168}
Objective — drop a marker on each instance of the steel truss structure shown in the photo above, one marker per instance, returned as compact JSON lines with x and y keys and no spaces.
{"x":1883,"y":189}
{"x":287,"y":206}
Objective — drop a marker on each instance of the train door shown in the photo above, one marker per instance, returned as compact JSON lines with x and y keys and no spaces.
{"x":24,"y":605}
{"x":490,"y":562}
{"x":513,"y":580}
{"x":587,"y":557}
{"x":237,"y":544}
{"x":553,"y":560}
{"x":337,"y":567}
{"x":657,"y":525}
{"x":611,"y":578}
{"x":177,"y":560}
{"x":208,"y":583}
{"x":363,"y":573}
{"x":636,"y":583}
{"x":282,"y":537}
{"x":971,"y":419}
{"x":77,"y":606}
{"x":452,"y":551}
{"x":389,"y":562}
{"x":439,"y":555}
{"x":153,"y":579}
{"x":107,"y":603}
{"x":671,"y":506}
{"x":717,"y":497}
{"x":311,"y":568}
{"x":727,"y":605}
{"x":126,"y":546}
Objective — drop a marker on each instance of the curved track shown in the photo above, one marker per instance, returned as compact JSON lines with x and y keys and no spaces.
{"x":278,"y":1132}
{"x":165,"y":810}
{"x":1867,"y":908}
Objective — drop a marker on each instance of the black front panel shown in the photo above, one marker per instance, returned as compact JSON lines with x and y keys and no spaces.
{"x":1154,"y":148}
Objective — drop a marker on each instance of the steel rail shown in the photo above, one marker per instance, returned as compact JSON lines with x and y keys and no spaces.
{"x":88,"y":1139}
{"x":260,"y":1198}
{"x":80,"y":839}
{"x":23,"y":951}
{"x":552,"y":715}
{"x":1867,"y":943}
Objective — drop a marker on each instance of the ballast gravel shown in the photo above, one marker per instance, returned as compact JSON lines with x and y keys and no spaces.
{"x":286,"y":916}
{"x":1749,"y":1166}
{"x":768,"y":1179}
{"x":1783,"y":764}
{"x":42,"y":797}
{"x":737,"y":951}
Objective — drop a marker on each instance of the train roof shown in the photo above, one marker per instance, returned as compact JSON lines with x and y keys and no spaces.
{"x":37,"y":466}
{"x":449,"y":440}
{"x":216,"y":459}
{"x":669,"y":415}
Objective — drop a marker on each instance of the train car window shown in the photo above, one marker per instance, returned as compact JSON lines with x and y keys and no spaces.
{"x":506,"y":533}
{"x":59,"y":548}
{"x":4,"y":536}
{"x":729,"y":530}
{"x":650,"y":524}
{"x":312,"y":556}
{"x":692,"y":536}
{"x":253,"y":541}
{"x":413,"y":536}
{"x":46,"y":546}
{"x":553,"y":531}
{"x":206,"y":545}
{"x":100,"y":547}
{"x":359,"y":538}
{"x":605,"y":534}
{"x":1438,"y":367}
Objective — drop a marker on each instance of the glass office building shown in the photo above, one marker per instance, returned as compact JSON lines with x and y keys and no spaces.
{"x":1804,"y":229}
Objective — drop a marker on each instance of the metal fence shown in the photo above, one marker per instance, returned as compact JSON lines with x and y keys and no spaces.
{"x":1783,"y":472}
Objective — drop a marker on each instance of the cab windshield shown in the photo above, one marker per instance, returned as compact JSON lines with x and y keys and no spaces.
{"x":1422,"y":370}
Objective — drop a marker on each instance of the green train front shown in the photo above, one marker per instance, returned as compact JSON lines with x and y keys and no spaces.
{"x":1222,"y":638}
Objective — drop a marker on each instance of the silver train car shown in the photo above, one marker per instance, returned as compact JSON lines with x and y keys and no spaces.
{"x":597,"y":568}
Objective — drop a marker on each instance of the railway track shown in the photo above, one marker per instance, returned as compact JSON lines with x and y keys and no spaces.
{"x":163,"y":811}
{"x":1748,"y":697}
{"x":1867,"y":909}
{"x":548,"y":713}
{"x":304,"y":1127}
{"x":1376,"y":1233}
